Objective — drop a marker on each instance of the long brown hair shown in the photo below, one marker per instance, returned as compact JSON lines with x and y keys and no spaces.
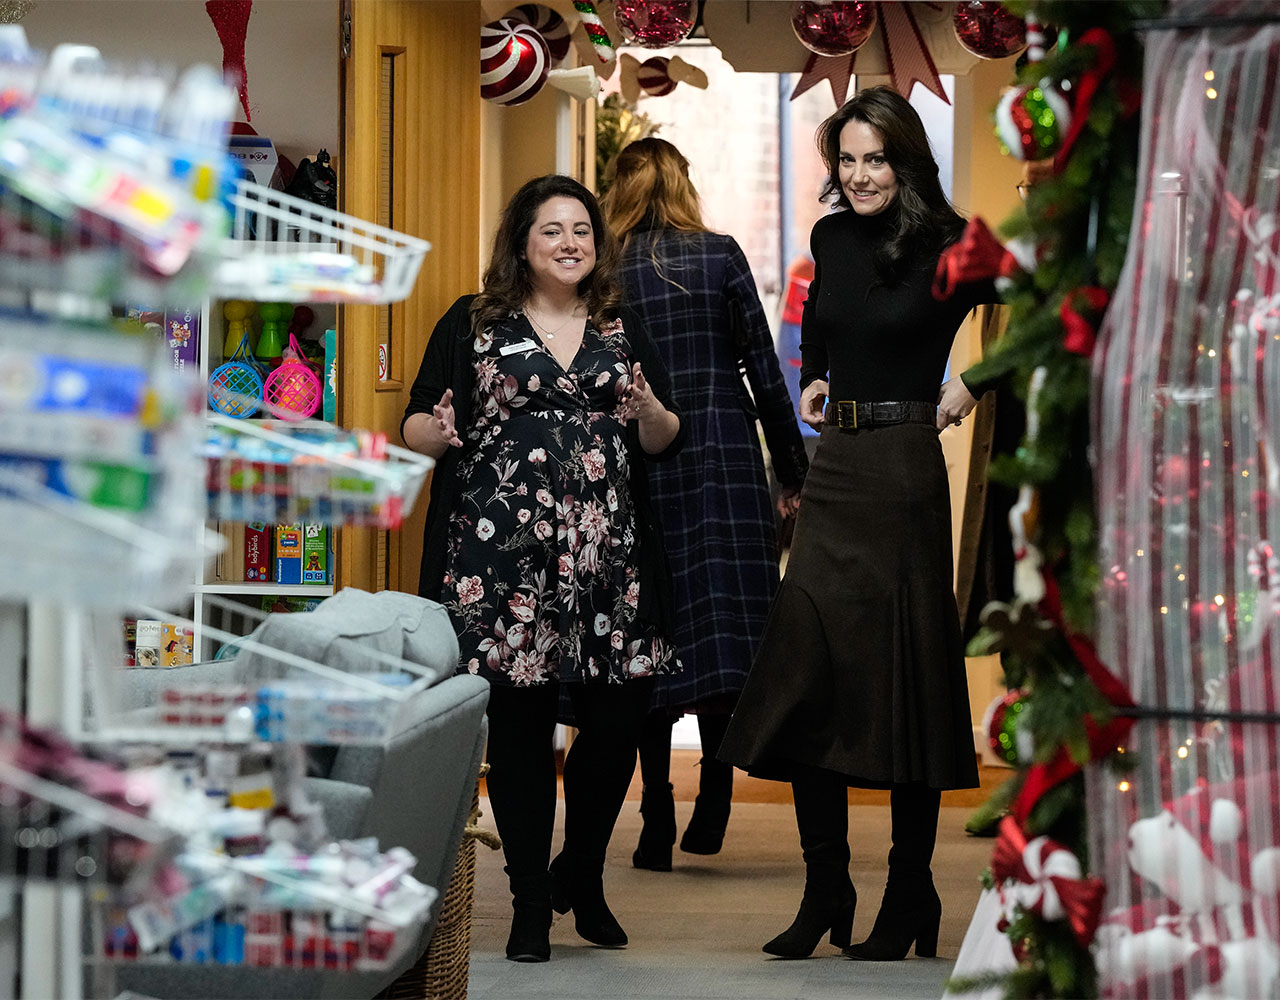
{"x":924,"y":214}
{"x":651,"y":185}
{"x":651,"y":191}
{"x":507,"y":283}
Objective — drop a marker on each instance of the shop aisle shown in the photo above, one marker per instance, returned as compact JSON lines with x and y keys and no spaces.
{"x":696,"y":931}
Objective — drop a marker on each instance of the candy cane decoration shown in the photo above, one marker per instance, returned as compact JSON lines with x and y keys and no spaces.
{"x":1035,"y":38}
{"x":594,"y":27}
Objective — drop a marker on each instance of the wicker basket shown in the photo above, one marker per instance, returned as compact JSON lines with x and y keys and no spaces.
{"x":445,"y":967}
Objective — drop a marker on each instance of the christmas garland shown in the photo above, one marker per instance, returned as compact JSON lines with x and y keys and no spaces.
{"x":1075,"y":109}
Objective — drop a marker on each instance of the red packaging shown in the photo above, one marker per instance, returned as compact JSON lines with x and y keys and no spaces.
{"x":257,"y":551}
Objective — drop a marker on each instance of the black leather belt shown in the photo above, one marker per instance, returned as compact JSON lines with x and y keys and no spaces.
{"x":850,"y":415}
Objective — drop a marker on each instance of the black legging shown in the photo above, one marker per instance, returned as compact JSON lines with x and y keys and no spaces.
{"x":597,"y":770}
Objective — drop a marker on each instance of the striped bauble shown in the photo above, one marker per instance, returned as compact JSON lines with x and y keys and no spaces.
{"x":547,"y":23}
{"x":653,"y":77}
{"x":514,"y":61}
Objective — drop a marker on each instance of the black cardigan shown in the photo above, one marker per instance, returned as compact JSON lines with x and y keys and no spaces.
{"x":447,"y":363}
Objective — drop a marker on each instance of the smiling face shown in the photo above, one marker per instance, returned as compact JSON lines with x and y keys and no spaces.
{"x":561,"y":248}
{"x":865,"y":175}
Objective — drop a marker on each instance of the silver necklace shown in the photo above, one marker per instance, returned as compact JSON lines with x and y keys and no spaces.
{"x":549,"y":334}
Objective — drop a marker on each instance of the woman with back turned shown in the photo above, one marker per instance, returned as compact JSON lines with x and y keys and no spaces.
{"x":698,"y":299}
{"x":860,"y":679}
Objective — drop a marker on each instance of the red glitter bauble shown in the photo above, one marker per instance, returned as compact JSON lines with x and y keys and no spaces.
{"x":833,"y":27}
{"x":655,"y":24}
{"x":514,"y":61}
{"x":988,"y":30}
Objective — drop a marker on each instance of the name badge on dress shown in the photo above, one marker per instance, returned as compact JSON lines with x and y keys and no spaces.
{"x":524,"y":345}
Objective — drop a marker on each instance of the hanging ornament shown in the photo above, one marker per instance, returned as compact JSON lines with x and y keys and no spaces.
{"x":547,"y":23}
{"x":513,"y":62}
{"x":653,"y":78}
{"x":656,"y":24}
{"x":836,"y":28}
{"x":231,"y":20}
{"x":601,"y":43}
{"x":988,"y":30}
{"x":1032,"y":120}
{"x":1002,"y":725}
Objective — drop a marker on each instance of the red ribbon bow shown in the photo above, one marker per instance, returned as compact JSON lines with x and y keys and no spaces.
{"x":976,"y":256}
{"x":1048,"y":880}
{"x":1082,"y":326}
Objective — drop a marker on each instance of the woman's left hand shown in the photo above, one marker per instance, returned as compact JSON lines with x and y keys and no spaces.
{"x":954,"y":403}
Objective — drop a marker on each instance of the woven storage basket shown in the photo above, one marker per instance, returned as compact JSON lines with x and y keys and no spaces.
{"x":445,"y":967}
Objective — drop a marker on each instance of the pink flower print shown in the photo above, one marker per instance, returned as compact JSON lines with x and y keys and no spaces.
{"x":566,"y":565}
{"x":534,"y":383}
{"x":593,"y":669}
{"x":542,"y":530}
{"x":612,"y":328}
{"x":632,"y":596}
{"x":516,"y":635}
{"x":640,"y":666}
{"x":470,"y":590}
{"x":615,"y":640}
{"x":486,"y":372}
{"x":527,"y":668}
{"x":523,"y":515}
{"x":564,"y":384}
{"x":523,"y":607}
{"x":544,"y":497}
{"x":611,"y":498}
{"x":538,"y":456}
{"x":602,"y":378}
{"x":473,"y":666}
{"x":593,"y":463}
{"x":482,"y":340}
{"x":593,"y":523}
{"x":602,"y":624}
{"x":545,"y":638}
{"x":522,"y":489}
{"x":484,"y":529}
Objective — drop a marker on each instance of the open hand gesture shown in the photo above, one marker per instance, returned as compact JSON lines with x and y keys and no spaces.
{"x":442,"y":415}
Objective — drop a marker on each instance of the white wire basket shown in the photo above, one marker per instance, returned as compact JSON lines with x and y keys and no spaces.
{"x":281,"y":472}
{"x":259,"y":687}
{"x":288,"y":249}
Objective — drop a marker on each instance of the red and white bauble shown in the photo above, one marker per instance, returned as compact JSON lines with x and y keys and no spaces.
{"x":655,"y":24}
{"x":833,"y":27}
{"x":514,"y":60}
{"x":547,"y":23}
{"x":654,"y":78}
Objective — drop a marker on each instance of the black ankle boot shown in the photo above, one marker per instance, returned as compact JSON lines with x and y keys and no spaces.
{"x":826,"y":905}
{"x":705,"y":832}
{"x":658,"y":834}
{"x":530,"y":938}
{"x":908,"y":913}
{"x":581,"y":889}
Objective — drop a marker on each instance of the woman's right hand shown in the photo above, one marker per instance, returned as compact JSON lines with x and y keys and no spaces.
{"x":813,"y":402}
{"x":442,"y":416}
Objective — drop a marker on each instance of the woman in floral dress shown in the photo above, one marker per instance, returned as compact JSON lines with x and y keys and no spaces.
{"x":543,"y":398}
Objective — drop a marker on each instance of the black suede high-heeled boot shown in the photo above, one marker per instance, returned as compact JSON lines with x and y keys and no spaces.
{"x":705,"y":832}
{"x":829,"y":901}
{"x":658,"y":835}
{"x":579,"y":886}
{"x":530,"y":938}
{"x":911,"y":911}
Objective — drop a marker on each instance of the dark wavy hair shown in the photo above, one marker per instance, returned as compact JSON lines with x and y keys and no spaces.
{"x":507,"y":283}
{"x":925,"y":216}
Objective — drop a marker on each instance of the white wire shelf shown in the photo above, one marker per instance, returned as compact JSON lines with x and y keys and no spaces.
{"x":276,"y":472}
{"x":283,"y":248}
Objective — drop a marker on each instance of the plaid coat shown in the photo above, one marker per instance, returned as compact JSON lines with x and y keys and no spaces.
{"x":701,"y":308}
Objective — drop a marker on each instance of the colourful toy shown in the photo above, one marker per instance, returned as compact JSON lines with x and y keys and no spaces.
{"x":235,"y":388}
{"x":271,"y":339}
{"x":293,"y":391}
{"x":237,"y":314}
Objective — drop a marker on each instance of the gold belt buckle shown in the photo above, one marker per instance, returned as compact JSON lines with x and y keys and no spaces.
{"x":847,"y":413}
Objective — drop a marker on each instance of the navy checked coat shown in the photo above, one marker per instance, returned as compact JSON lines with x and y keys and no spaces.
{"x":700,"y":306}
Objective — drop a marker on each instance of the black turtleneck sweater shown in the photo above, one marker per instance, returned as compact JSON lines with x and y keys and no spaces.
{"x":870,"y":341}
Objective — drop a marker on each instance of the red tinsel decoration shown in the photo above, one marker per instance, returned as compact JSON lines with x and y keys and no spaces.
{"x":231,"y":19}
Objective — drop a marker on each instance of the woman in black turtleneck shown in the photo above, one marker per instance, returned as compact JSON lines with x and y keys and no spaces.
{"x":860,"y":678}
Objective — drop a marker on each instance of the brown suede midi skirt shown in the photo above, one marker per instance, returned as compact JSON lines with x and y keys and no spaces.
{"x":861,"y":669}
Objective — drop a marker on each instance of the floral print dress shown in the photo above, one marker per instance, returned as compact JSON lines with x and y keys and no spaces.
{"x":543,"y":569}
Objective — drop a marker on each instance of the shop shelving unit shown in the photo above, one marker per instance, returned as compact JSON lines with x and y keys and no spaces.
{"x":96,"y":535}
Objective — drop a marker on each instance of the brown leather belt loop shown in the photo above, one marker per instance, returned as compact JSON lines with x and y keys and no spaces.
{"x":850,"y":415}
